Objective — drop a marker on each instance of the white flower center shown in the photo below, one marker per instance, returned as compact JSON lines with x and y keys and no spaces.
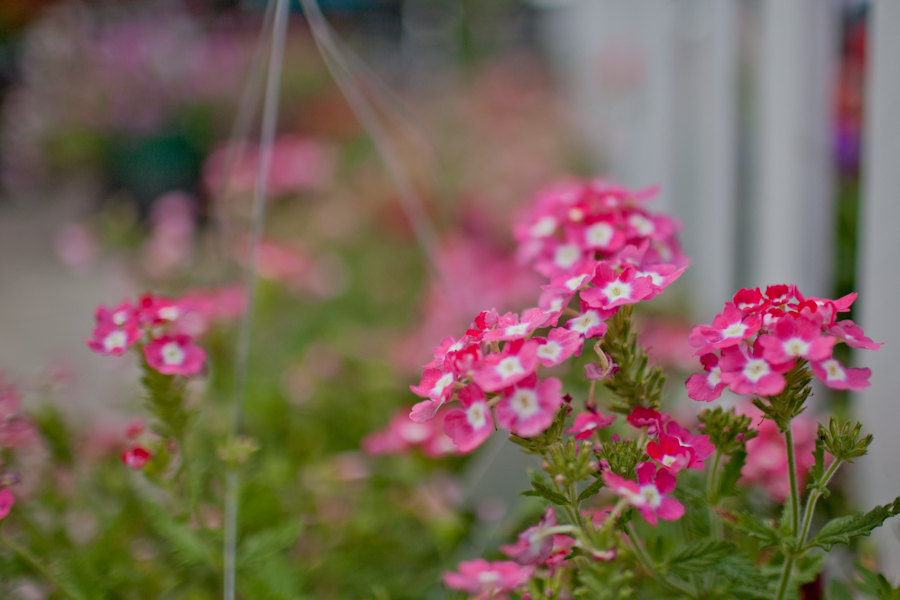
{"x":172,"y":354}
{"x":655,"y":278}
{"x":616,"y":290}
{"x":555,"y":306}
{"x":475,"y":416}
{"x":586,"y":321}
{"x":756,"y":369}
{"x":525,"y":403}
{"x":575,"y":282}
{"x":520,"y":329}
{"x":576,"y":214}
{"x":169,"y":313}
{"x":442,"y":384}
{"x":116,"y":340}
{"x":544,"y":227}
{"x":834,"y":370}
{"x":668,"y":460}
{"x":715,"y":375}
{"x":510,"y":366}
{"x":549,"y":351}
{"x":488,"y":577}
{"x":642,"y":224}
{"x":796,"y":347}
{"x":650,"y":495}
{"x":735,"y":330}
{"x":566,"y":255}
{"x":120,"y":317}
{"x":415,"y":433}
{"x":599,"y":234}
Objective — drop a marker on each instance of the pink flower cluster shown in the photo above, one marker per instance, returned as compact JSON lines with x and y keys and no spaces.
{"x":403,"y":434}
{"x":155,"y":324}
{"x":760,"y":336}
{"x":574,"y":223}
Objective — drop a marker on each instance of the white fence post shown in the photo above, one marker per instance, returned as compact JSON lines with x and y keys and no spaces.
{"x":794,"y":206}
{"x":879,"y":238}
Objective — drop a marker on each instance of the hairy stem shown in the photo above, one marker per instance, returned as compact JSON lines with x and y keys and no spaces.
{"x":35,"y":564}
{"x":715,"y":524}
{"x":811,"y":502}
{"x":785,"y":577}
{"x":792,"y":473}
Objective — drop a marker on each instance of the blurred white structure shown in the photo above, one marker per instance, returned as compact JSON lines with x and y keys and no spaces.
{"x":879,"y":406}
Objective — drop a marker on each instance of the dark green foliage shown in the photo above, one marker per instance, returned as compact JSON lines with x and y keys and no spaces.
{"x":844,"y":529}
{"x":622,"y":456}
{"x":544,"y":491}
{"x":727,"y":431}
{"x":730,"y":475}
{"x":843,"y":440}
{"x":697,"y":557}
{"x":755,"y":527}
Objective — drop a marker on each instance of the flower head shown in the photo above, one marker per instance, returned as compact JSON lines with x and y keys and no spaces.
{"x":588,"y":422}
{"x":528,"y":407}
{"x":488,"y":579}
{"x":176,"y":354}
{"x":473,"y":424}
{"x":649,"y":495}
{"x":136,"y":457}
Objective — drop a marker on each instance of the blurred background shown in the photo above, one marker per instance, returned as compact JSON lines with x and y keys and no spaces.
{"x":769,"y":124}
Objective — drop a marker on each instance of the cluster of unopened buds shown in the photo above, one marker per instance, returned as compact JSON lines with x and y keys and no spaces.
{"x":163,"y":329}
{"x":760,"y":336}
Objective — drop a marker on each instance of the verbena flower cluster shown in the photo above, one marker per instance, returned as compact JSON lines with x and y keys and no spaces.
{"x":604,"y":252}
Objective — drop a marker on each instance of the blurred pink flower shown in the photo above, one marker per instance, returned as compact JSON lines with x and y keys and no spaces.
{"x":171,"y":242}
{"x":76,"y":246}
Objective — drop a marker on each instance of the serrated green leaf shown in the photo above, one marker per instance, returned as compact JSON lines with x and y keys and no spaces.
{"x":590,"y":490}
{"x":698,"y":556}
{"x":263,"y":545}
{"x":843,"y":529}
{"x":546,"y":492}
{"x":186,"y":546}
{"x":530,"y":493}
{"x":755,"y":527}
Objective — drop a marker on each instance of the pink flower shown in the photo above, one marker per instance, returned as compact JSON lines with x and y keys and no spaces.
{"x":838,"y":377}
{"x":589,"y":323}
{"x":746,"y":372}
{"x":401,"y":434}
{"x":728,"y":329}
{"x":615,"y":290}
{"x":796,"y":338}
{"x":700,"y":444}
{"x":471,"y":426}
{"x":641,"y":417}
{"x":535,"y":543}
{"x":527,"y":408}
{"x":121,"y":315}
{"x":517,"y":361}
{"x":588,"y":422}
{"x":436,"y":385}
{"x":649,"y":494}
{"x":706,"y":388}
{"x":110,"y":339}
{"x":448,"y":344}
{"x":853,"y":335}
{"x":558,"y":346}
{"x":670,"y":453}
{"x":6,"y":502}
{"x":562,"y":546}
{"x":136,"y":457}
{"x":488,"y":579}
{"x":509,"y":328}
{"x":661,"y":276}
{"x":176,"y":354}
{"x":602,"y":234}
{"x":135,"y":429}
{"x":749,"y":301}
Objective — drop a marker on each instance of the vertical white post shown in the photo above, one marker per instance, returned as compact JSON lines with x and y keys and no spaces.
{"x":878,"y":406}
{"x":793,"y":211}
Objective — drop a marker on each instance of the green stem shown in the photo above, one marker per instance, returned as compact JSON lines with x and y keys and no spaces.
{"x":811,"y":503}
{"x":785,"y":577}
{"x":792,"y":473}
{"x":715,"y":524}
{"x":34,"y":563}
{"x":648,"y":564}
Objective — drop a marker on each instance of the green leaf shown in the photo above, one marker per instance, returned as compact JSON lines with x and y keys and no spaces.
{"x":730,"y":474}
{"x":843,"y":529}
{"x":546,"y":492}
{"x":590,"y":490}
{"x":187,"y":547}
{"x":839,"y":591}
{"x":263,"y":545}
{"x":755,"y":527}
{"x":698,"y":556}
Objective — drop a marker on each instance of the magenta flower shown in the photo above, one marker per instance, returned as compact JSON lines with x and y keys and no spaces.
{"x":588,"y":422}
{"x":641,"y":417}
{"x":706,"y":388}
{"x":486,"y":579}
{"x":661,"y":276}
{"x":728,"y":329}
{"x":527,"y":408}
{"x":401,"y":434}
{"x":534,"y":545}
{"x":700,"y":444}
{"x":119,"y":315}
{"x":746,"y":372}
{"x":515,"y":362}
{"x":671,"y":454}
{"x":111,"y":339}
{"x":838,"y":377}
{"x":136,"y":457}
{"x":510,"y":328}
{"x":614,"y":290}
{"x":6,"y":502}
{"x":471,"y":426}
{"x":558,"y":346}
{"x":749,"y":301}
{"x":589,"y":323}
{"x":796,"y":338}
{"x":603,"y":234}
{"x":171,"y":355}
{"x":436,"y":385}
{"x":649,"y":494}
{"x":853,"y":335}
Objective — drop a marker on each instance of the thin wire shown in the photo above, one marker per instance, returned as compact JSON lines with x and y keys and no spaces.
{"x":410,"y":201}
{"x":240,"y":129}
{"x":239,"y":392}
